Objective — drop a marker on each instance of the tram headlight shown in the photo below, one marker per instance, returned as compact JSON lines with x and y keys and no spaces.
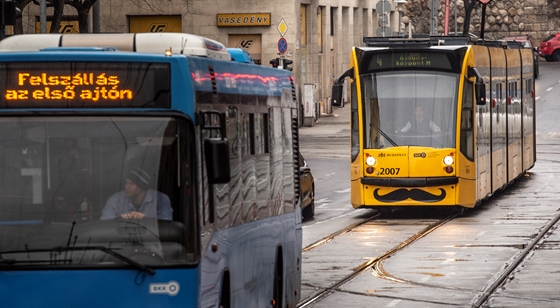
{"x":448,"y":160}
{"x":370,"y":161}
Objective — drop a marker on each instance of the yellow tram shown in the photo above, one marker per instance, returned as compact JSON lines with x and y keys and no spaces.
{"x":438,"y":121}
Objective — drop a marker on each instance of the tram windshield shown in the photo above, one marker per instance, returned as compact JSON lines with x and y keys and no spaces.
{"x":96,"y":191}
{"x":404,"y":108}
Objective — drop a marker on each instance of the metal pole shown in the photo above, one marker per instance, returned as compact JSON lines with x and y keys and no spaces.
{"x":384,"y":19}
{"x":432,"y":17}
{"x":97,"y":16}
{"x":483,"y":21}
{"x":446,"y":22}
{"x":43,"y":15}
{"x":435,"y":7}
{"x":455,"y":17}
{"x":400,"y":16}
{"x":2,"y":21}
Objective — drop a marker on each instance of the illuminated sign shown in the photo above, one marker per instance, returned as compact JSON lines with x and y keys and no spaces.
{"x":84,"y":85}
{"x":407,"y":60}
{"x":243,"y":20}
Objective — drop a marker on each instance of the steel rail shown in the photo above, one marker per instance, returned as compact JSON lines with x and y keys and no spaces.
{"x":333,"y":235}
{"x":480,"y":299}
{"x":368,"y":264}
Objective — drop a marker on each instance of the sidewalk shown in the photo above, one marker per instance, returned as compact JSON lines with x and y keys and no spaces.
{"x":336,"y":124}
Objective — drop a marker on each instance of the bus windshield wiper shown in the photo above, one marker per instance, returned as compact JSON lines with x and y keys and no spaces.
{"x":119,"y":256}
{"x":384,"y":135}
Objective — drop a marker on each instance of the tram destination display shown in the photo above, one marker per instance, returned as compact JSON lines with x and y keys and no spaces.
{"x":410,"y":60}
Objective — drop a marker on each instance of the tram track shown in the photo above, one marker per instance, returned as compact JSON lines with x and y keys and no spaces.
{"x":496,"y":282}
{"x":371,"y":263}
{"x":501,"y":277}
{"x":340,"y":232}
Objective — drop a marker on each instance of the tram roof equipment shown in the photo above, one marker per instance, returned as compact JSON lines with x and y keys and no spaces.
{"x":422,"y":40}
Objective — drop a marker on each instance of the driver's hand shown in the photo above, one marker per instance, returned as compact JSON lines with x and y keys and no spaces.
{"x":133,"y":215}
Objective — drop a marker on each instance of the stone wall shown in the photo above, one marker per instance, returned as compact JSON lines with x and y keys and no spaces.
{"x":537,"y":18}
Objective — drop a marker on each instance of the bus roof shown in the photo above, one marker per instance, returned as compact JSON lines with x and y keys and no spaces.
{"x":183,"y":43}
{"x":240,"y":55}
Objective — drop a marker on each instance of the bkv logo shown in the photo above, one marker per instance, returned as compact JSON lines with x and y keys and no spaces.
{"x":158,"y":27}
{"x":381,"y":155}
{"x":421,"y":155}
{"x":246,"y":44}
{"x":171,"y":288}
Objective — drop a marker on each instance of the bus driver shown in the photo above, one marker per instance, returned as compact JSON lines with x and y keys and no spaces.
{"x":419,"y":124}
{"x":137,"y":200}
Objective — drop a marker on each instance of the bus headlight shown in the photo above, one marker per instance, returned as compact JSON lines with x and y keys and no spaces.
{"x":448,"y":160}
{"x":370,"y":161}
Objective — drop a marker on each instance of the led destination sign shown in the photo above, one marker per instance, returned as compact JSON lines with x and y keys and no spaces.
{"x":409,"y":60}
{"x":84,"y":85}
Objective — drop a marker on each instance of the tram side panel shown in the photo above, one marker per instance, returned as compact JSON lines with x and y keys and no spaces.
{"x":482,"y":123}
{"x":498,"y":118}
{"x":467,"y":189}
{"x":357,"y":195}
{"x":513,"y":114}
{"x":528,"y":110}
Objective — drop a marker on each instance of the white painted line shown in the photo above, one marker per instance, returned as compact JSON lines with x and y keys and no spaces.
{"x":425,"y":279}
{"x":537,"y":98}
{"x":393,"y":303}
{"x":342,"y":191}
{"x":481,"y":233}
{"x":497,"y":222}
{"x":549,"y":89}
{"x":447,"y":261}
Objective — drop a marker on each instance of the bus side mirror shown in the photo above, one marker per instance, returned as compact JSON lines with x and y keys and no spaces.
{"x":217,"y":160}
{"x":337,"y":95}
{"x":480,"y":93}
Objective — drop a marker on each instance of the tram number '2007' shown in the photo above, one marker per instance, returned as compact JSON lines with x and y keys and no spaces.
{"x":389,"y":171}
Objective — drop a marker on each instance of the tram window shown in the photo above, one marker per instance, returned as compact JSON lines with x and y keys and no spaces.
{"x":528,"y":86}
{"x":467,"y":133}
{"x":498,"y":100}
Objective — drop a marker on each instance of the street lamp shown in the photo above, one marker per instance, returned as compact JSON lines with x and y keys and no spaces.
{"x":399,"y":4}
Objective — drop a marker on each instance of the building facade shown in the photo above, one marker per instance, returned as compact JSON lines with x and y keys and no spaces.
{"x":316,"y":35}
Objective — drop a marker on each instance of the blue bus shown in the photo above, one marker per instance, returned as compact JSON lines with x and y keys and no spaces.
{"x":146,"y":169}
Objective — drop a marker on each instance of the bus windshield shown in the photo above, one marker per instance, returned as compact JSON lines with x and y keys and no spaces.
{"x":96,"y":190}
{"x":409,"y":108}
